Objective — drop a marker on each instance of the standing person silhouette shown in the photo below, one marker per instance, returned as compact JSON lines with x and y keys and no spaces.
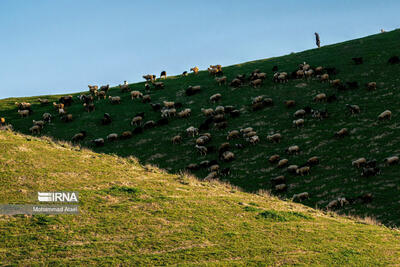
{"x":317,"y":41}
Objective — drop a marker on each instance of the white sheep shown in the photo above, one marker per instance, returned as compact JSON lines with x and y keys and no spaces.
{"x":293,"y":150}
{"x":320,"y":97}
{"x":185,"y":113}
{"x":303,"y":170}
{"x":298,"y":123}
{"x":112,"y":137}
{"x":136,"y":94}
{"x":392,"y":160}
{"x":207,"y":112}
{"x":274,"y":137}
{"x":192,"y":131}
{"x":232,"y":134}
{"x":301,"y":196}
{"x":216,"y":97}
{"x":23,"y":113}
{"x":228,"y":156}
{"x":136,"y":121}
{"x":299,"y":113}
{"x":359,"y":162}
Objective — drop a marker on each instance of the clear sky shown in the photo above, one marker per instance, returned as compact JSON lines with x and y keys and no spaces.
{"x":61,"y":46}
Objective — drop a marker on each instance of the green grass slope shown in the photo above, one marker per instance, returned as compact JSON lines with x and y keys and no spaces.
{"x":333,"y":178}
{"x":140,"y":216}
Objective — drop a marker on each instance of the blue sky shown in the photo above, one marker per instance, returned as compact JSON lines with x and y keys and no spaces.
{"x":53,"y":47}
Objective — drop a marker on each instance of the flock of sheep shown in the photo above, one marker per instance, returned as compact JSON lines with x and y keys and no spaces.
{"x":219,"y":117}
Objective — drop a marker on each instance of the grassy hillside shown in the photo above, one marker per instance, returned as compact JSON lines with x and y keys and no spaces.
{"x":136,"y":215}
{"x":333,"y":178}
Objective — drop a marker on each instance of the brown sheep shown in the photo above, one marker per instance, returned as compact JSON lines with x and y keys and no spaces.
{"x":282,"y":163}
{"x":177,"y":139}
{"x":359,"y":162}
{"x":216,"y":97}
{"x":101,"y":94}
{"x":23,"y":113}
{"x":324,"y":77}
{"x":43,"y":101}
{"x":371,"y":86}
{"x":274,"y":158}
{"x":256,"y":83}
{"x":313,"y":161}
{"x":342,"y":133}
{"x":386,"y":115}
{"x":293,"y":150}
{"x":232,"y":134}
{"x":303,"y":170}
{"x":115,"y":99}
{"x":126,"y":135}
{"x":290,"y":103}
{"x":276,"y":138}
{"x":35,"y":129}
{"x":392,"y":160}
{"x":221,"y":80}
{"x":320,"y":97}
{"x":136,"y":94}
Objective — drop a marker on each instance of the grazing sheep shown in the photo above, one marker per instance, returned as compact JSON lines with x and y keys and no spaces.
{"x":155,"y":106}
{"x":146,"y":99}
{"x":303,"y":170}
{"x":392,"y":160}
{"x":250,"y":134}
{"x":274,"y":158}
{"x":163,"y":74}
{"x":210,"y":176}
{"x":136,"y":94}
{"x":256,"y":83}
{"x":253,"y":140}
{"x":386,"y":115}
{"x":219,"y":118}
{"x":214,"y":168}
{"x":216,"y":97}
{"x":246,"y":130}
{"x":137,"y":121}
{"x":23,"y":113}
{"x":35,"y":129}
{"x":357,"y":60}
{"x":299,"y":113}
{"x":309,"y":73}
{"x":228,"y":156}
{"x":394,"y":60}
{"x":292,"y":168}
{"x":282,"y":163}
{"x":126,"y":135}
{"x":371,"y":86}
{"x":98,"y":142}
{"x":320,"y":97}
{"x":169,"y":104}
{"x":185,"y":73}
{"x":223,"y":147}
{"x":235,"y":113}
{"x":202,"y":140}
{"x":235,"y":82}
{"x":258,"y":99}
{"x":177,"y":139}
{"x":115,"y":99}
{"x":354,"y":109}
{"x":195,"y":70}
{"x":276,"y":138}
{"x":359,"y":162}
{"x":192,"y":90}
{"x":221,"y":125}
{"x":221,"y":80}
{"x":149,"y":124}
{"x":23,"y":105}
{"x":342,"y":133}
{"x":232,"y":134}
{"x":293,"y":150}
{"x":158,"y":85}
{"x":185,"y":113}
{"x":207,"y":112}
{"x":43,"y":101}
{"x":300,"y":74}
{"x":301,"y":196}
{"x":39,"y":123}
{"x":193,"y":166}
{"x":319,"y":70}
{"x":147,"y":87}
{"x":280,"y":187}
{"x":335,"y":203}
{"x":67,"y":118}
{"x":278,"y":180}
{"x":219,"y":110}
{"x":112,"y":137}
{"x":298,"y":123}
{"x":290,"y":103}
{"x":367,"y":171}
{"x":201,"y":149}
{"x":313,"y":161}
{"x":324,"y":77}
{"x":58,"y":106}
{"x":192,"y":131}
{"x":106,"y":119}
{"x":89,"y":107}
{"x":79,"y":136}
{"x":166,"y":113}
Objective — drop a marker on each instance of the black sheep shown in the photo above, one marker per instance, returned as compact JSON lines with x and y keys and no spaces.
{"x":163,"y":74}
{"x":156,"y":106}
{"x":358,"y":60}
{"x":394,"y":60}
{"x":106,"y":119}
